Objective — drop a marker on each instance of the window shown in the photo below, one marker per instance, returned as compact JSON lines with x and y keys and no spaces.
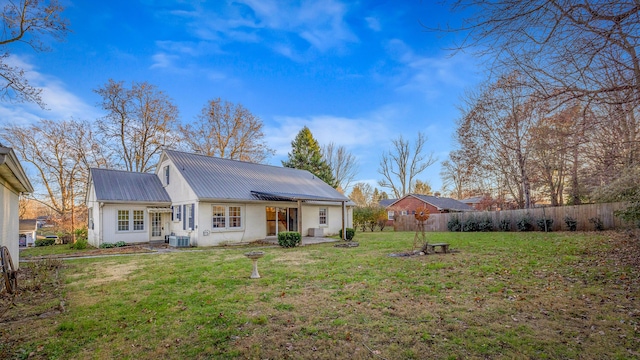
{"x":323,"y":216}
{"x":219,"y":216}
{"x":235,"y":217}
{"x":226,"y":217}
{"x":138,"y":220}
{"x":188,"y":217}
{"x":176,"y":213}
{"x":166,"y":175}
{"x":390,"y":215}
{"x":90,"y":216}
{"x":123,"y":220}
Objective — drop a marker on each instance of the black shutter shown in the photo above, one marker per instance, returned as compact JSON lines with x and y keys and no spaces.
{"x":171,"y":212}
{"x":192,"y":217}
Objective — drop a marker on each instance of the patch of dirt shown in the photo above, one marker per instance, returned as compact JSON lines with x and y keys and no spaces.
{"x":129,"y":249}
{"x":112,"y":272}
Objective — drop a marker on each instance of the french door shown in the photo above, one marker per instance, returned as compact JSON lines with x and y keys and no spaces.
{"x":281,"y":219}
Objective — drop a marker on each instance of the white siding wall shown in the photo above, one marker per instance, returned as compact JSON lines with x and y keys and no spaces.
{"x":110,"y":231}
{"x":255,"y":222}
{"x":9,"y":224}
{"x":180,"y":194}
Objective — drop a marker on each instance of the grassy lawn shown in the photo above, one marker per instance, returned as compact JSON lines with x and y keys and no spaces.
{"x":501,"y":295}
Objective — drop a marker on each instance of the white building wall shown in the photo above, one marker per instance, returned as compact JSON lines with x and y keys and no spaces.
{"x":255,"y":222}
{"x":110,"y":233}
{"x":181,"y":194}
{"x":9,"y":224}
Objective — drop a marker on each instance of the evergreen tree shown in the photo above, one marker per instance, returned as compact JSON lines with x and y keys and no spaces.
{"x":306,"y":155}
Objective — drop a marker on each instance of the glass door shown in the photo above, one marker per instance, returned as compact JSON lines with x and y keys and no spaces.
{"x":281,"y":219}
{"x":156,"y":226}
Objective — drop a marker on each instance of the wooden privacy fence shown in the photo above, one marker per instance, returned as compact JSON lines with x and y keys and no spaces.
{"x":581,"y":213}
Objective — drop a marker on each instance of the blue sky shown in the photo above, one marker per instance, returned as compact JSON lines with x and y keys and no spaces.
{"x":356,"y":73}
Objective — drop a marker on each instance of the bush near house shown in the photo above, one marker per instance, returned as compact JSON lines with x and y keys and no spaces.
{"x":350,"y":233}
{"x":289,"y":239}
{"x":45,"y":242}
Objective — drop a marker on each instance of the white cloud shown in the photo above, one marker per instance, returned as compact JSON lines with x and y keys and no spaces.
{"x":373,"y":23}
{"x":60,"y":103}
{"x":319,"y":23}
{"x":429,"y":75}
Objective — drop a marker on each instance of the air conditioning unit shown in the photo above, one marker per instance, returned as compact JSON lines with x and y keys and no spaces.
{"x":179,"y":241}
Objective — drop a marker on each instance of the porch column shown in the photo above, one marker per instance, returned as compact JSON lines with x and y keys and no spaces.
{"x":344,"y":220}
{"x":300,"y":217}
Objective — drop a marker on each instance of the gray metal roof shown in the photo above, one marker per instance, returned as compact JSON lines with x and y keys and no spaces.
{"x":386,"y":202}
{"x":213,"y":178}
{"x":473,"y":200}
{"x":444,"y":203}
{"x":127,"y":186}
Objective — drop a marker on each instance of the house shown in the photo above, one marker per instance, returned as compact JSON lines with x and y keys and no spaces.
{"x":435,"y":204}
{"x":384,"y":203}
{"x":480,"y":203}
{"x":13,"y":183}
{"x":211,"y":201}
{"x":27,"y":235}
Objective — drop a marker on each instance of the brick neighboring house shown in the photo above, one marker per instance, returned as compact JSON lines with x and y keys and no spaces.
{"x":435,"y":204}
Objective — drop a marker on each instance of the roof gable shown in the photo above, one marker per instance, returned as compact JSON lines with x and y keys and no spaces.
{"x":127,"y":186}
{"x":213,"y":178}
{"x":442,"y":203}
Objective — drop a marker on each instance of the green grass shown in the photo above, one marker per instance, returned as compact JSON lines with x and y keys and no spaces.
{"x":500,"y":295}
{"x":50,"y":250}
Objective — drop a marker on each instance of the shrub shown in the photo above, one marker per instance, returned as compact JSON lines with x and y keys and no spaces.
{"x":505,"y":225}
{"x":597,"y":223}
{"x":106,"y":245}
{"x":545,"y":224}
{"x":82,"y":232}
{"x":454,"y":224}
{"x":120,"y":244}
{"x":45,"y":242}
{"x":470,"y":225}
{"x":524,"y":224}
{"x":485,"y":224}
{"x":572,"y":224}
{"x":289,"y":239}
{"x":81,"y":244}
{"x":350,"y":233}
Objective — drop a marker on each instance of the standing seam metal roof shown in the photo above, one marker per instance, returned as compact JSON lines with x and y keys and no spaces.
{"x":127,"y":186}
{"x":213,"y":178}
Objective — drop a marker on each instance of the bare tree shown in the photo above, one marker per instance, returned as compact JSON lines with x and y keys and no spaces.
{"x":25,"y":21}
{"x":568,"y":48}
{"x":140,"y":121}
{"x":342,"y":163}
{"x":499,"y":120}
{"x":403,"y":163}
{"x":229,"y":131}
{"x":52,"y":148}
